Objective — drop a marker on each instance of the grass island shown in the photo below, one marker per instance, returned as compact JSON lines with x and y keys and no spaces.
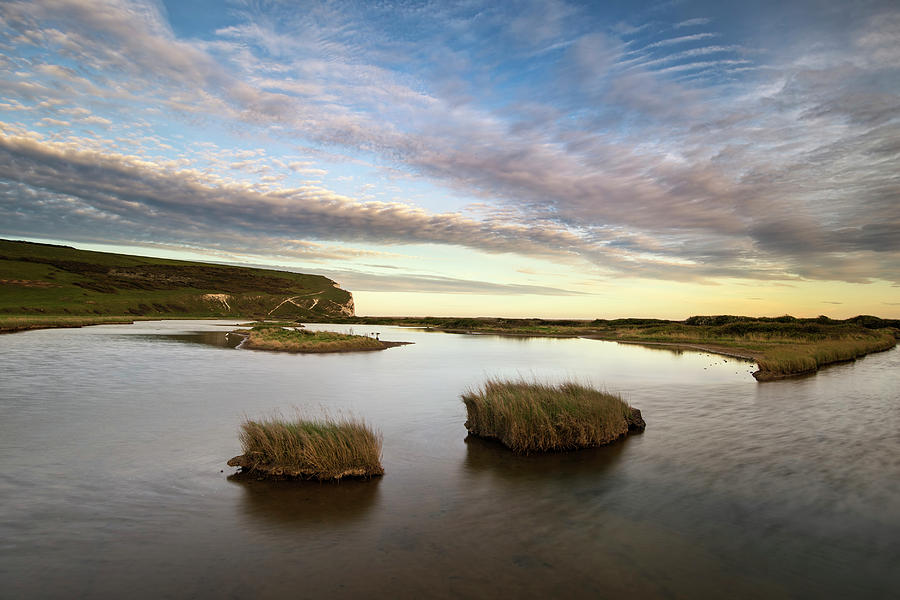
{"x":537,"y":417}
{"x":278,"y":338}
{"x":309,"y":449}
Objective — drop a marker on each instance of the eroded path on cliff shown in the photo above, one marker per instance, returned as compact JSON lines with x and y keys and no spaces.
{"x":292,"y":300}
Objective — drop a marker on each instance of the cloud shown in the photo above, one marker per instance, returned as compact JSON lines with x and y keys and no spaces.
{"x":148,"y":197}
{"x":540,"y":22}
{"x":693,"y":22}
{"x":789,"y":173}
{"x":678,"y":56}
{"x":683,"y":39}
{"x":359,"y":281}
{"x":306,"y":168}
{"x":47,"y":121}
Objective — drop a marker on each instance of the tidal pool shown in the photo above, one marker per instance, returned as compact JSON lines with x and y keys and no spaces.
{"x":113,"y":443}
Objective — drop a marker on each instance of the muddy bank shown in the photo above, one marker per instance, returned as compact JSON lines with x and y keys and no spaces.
{"x":253,"y":469}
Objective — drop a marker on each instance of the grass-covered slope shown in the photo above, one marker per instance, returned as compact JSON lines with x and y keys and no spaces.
{"x":45,"y":280}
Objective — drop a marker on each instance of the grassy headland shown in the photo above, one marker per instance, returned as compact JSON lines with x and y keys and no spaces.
{"x":265,"y":336}
{"x":309,"y":449}
{"x":782,"y":346}
{"x":42,"y":280}
{"x":537,"y":417}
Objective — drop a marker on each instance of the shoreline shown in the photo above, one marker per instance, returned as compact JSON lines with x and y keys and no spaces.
{"x":77,"y":321}
{"x":765,"y":376}
{"x":760,"y":375}
{"x":73,"y":325}
{"x":711,"y":348}
{"x":757,"y":356}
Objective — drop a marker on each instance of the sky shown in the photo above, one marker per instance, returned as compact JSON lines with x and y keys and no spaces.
{"x":526,"y":159}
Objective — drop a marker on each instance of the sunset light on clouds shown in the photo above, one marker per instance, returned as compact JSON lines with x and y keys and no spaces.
{"x":544,"y":159}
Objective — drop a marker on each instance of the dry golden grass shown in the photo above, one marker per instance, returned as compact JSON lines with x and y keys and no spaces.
{"x":529,"y":417}
{"x":310,"y":449}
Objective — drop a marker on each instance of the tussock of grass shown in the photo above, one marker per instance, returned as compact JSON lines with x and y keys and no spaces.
{"x":310,"y":449}
{"x":533,"y":417}
{"x":269,"y":337}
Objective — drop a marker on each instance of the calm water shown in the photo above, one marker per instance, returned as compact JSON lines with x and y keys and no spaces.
{"x":113,"y":443}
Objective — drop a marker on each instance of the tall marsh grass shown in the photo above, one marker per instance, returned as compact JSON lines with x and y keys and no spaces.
{"x":536,"y":417}
{"x":310,"y":449}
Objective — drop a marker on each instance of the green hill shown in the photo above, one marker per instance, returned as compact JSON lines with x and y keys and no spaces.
{"x":43,"y":279}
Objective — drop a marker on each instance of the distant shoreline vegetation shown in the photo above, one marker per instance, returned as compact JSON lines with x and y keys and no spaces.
{"x":783,"y":346}
{"x":28,"y":322}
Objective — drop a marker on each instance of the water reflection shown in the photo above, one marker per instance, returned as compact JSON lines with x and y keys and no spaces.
{"x":510,"y":337}
{"x":492,"y":457}
{"x":688,"y":348}
{"x":676,"y":350}
{"x":305,"y":503}
{"x":219,"y":339}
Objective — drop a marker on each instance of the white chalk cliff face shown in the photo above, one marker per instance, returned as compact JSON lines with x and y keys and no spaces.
{"x":347,"y":309}
{"x":314,"y":305}
{"x":292,"y":307}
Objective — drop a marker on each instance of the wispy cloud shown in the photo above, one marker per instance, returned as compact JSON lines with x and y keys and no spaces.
{"x":696,"y":37}
{"x":693,"y":22}
{"x":361,"y":281}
